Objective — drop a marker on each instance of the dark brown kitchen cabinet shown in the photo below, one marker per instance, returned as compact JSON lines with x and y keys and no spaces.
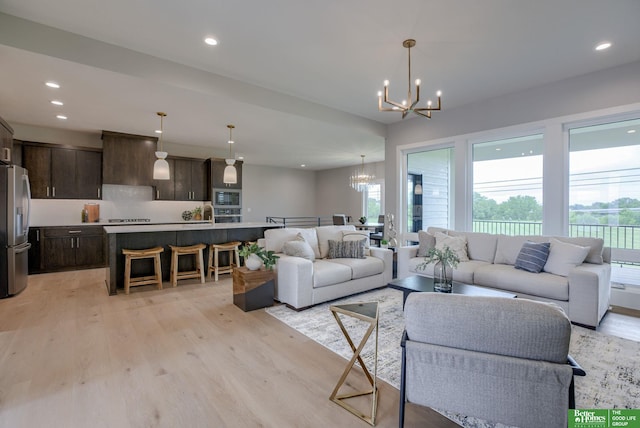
{"x":34,"y":251}
{"x":6,"y":142}
{"x":70,"y":248}
{"x":128,"y":159}
{"x":190,"y":178}
{"x":165,"y":190}
{"x":217,"y":174}
{"x":63,"y":173}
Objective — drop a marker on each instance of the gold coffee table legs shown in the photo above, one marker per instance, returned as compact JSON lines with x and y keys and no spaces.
{"x":367,"y":312}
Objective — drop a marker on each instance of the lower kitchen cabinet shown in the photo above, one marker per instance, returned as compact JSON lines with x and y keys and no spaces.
{"x":71,"y":248}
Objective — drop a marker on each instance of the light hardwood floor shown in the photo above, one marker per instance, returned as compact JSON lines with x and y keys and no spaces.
{"x":71,"y":356}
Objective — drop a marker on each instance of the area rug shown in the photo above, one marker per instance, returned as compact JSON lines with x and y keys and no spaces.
{"x":612,"y":364}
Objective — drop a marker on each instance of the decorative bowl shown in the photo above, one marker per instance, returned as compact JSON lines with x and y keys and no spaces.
{"x":187,"y":215}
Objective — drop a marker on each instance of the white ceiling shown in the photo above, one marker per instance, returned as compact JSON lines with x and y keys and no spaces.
{"x":298,"y":79}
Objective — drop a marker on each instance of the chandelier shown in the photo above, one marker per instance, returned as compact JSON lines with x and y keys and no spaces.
{"x":230,"y":175}
{"x":161,"y":166}
{"x":360,"y":179}
{"x":408,"y":105}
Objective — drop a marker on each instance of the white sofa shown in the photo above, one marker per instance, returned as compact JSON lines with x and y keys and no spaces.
{"x":302,"y":283}
{"x":583,"y":293}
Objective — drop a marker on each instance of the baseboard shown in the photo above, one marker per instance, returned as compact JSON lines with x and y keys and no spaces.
{"x":627,"y":297}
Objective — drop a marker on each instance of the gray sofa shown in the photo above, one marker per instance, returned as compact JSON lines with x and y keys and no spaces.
{"x":305,"y":279}
{"x":583,"y":292}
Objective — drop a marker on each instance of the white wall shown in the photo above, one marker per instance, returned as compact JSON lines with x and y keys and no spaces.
{"x":609,"y":88}
{"x":334,"y":194}
{"x":279,"y":192}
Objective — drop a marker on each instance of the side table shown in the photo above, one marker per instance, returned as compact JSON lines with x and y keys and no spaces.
{"x":367,"y":312}
{"x":253,"y":289}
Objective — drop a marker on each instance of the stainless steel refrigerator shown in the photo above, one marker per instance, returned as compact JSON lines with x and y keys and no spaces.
{"x":15,"y":204}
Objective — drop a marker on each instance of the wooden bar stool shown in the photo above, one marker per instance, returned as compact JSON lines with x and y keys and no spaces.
{"x":149,"y":253}
{"x":214,"y":251}
{"x":195,"y":250}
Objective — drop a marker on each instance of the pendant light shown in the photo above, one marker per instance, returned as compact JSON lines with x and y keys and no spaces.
{"x":360,"y":178}
{"x":161,"y":166}
{"x":230,"y":174}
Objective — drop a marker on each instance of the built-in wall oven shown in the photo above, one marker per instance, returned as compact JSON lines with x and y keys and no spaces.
{"x":227,"y":205}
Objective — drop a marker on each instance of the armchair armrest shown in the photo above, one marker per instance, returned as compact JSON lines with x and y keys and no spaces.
{"x":405,"y":253}
{"x":386,"y":256}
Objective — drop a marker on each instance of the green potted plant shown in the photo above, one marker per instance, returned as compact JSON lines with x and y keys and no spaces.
{"x":255,"y":256}
{"x":362,"y":220}
{"x":445,"y":261}
{"x":384,"y":243}
{"x":197,"y":213}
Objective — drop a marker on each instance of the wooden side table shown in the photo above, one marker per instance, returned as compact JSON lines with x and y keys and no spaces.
{"x":253,"y":289}
{"x":367,"y":312}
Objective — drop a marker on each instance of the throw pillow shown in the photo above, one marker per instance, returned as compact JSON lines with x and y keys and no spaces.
{"x":533,"y":256}
{"x":563,"y":257}
{"x":356,"y":235}
{"x":457,"y":244}
{"x":299,"y":248}
{"x":427,"y":241}
{"x":346,"y":249}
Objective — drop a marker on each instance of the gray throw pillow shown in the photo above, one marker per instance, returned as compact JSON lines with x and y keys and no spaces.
{"x":299,"y":249}
{"x":427,"y":241}
{"x":533,"y":256}
{"x":346,"y":249}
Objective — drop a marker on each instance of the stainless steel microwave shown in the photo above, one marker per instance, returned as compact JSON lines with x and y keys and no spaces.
{"x":227,"y":198}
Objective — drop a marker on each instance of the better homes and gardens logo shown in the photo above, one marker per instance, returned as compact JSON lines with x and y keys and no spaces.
{"x":604,"y":418}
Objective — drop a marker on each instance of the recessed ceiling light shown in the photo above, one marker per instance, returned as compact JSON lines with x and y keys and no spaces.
{"x":58,"y":103}
{"x":240,"y":157}
{"x":158,"y":131}
{"x":52,"y":85}
{"x":210,"y":41}
{"x":303,"y":165}
{"x":602,"y":46}
{"x":631,"y":131}
{"x":61,"y":117}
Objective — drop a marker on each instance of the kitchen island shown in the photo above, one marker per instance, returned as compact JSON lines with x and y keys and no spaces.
{"x":140,"y":236}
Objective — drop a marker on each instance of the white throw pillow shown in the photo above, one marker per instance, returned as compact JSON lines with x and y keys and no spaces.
{"x":563,"y":257}
{"x":457,"y":244}
{"x":358,"y":235}
{"x":427,"y":241}
{"x":299,"y":249}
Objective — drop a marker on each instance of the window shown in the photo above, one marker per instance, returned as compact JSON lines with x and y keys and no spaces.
{"x":507,"y":186}
{"x":373,"y":203}
{"x":604,"y":190}
{"x":431,"y":204}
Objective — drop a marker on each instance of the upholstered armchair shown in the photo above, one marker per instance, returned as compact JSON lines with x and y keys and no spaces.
{"x":497,"y":359}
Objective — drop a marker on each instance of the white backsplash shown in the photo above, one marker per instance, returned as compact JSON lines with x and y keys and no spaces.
{"x":117,"y":202}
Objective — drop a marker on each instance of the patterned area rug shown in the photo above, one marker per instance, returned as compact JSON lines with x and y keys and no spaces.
{"x":611,"y":363}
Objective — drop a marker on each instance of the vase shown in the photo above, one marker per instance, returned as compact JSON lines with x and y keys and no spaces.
{"x":197,"y":216}
{"x":253,"y":262}
{"x":442,"y":277}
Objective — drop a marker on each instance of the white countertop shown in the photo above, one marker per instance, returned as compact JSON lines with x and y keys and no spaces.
{"x":180,"y":227}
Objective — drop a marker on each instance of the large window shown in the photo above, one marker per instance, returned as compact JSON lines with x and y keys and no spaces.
{"x":432,"y":203}
{"x":507,"y":186}
{"x":604,"y":188}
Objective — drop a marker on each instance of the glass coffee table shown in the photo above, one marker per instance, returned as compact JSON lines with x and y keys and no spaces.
{"x":419,"y":283}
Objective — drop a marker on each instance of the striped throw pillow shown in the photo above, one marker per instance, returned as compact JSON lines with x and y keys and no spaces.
{"x":533,"y":256}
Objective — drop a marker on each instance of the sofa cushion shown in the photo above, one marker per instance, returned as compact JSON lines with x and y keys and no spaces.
{"x":311,"y":237}
{"x":362,"y":268}
{"x":327,"y":272}
{"x":299,"y":248}
{"x":346,"y":249}
{"x":275,"y":238}
{"x":426,"y":242}
{"x":463,"y":273}
{"x":356,"y":235}
{"x":563,"y":257}
{"x":508,"y":278}
{"x":596,"y":247}
{"x":508,"y":247}
{"x":481,"y":246}
{"x":457,"y":244}
{"x":330,"y":232}
{"x":533,"y":256}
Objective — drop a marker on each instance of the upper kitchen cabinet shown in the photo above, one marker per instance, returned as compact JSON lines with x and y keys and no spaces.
{"x":61,"y":172}
{"x":128,"y":159}
{"x":6,"y":141}
{"x":191,"y":179}
{"x":217,"y":174}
